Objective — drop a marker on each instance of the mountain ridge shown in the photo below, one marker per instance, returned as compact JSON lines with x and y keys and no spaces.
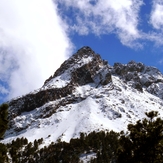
{"x":86,"y":94}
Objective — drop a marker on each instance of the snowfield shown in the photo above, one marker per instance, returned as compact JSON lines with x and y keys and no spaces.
{"x":106,"y":98}
{"x":109,"y":107}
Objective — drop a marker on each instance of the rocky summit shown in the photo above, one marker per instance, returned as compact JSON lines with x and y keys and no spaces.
{"x":86,"y":94}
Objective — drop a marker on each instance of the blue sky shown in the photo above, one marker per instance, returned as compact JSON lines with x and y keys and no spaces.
{"x":111,"y":48}
{"x":36,"y":36}
{"x":108,"y":44}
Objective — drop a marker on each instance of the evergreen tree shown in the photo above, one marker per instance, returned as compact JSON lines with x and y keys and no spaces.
{"x":144,"y":142}
{"x":3,"y":151}
{"x":3,"y":119}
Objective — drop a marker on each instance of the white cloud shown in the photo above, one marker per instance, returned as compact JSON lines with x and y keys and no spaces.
{"x":33,"y":43}
{"x":160,"y":61}
{"x":105,"y":17}
{"x":3,"y":90}
{"x":34,"y":40}
{"x":156,"y":22}
{"x":122,"y":18}
{"x":156,"y":18}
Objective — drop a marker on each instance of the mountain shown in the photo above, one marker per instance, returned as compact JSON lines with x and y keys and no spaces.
{"x":86,"y":94}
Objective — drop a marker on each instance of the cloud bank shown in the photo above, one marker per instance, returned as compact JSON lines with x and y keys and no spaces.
{"x":33,"y":43}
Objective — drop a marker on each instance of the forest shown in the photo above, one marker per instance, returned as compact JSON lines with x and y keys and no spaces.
{"x":142,"y":143}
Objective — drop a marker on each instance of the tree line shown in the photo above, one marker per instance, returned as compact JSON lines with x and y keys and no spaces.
{"x":141,"y":144}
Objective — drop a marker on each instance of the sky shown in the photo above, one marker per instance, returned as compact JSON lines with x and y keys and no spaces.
{"x":37,"y":36}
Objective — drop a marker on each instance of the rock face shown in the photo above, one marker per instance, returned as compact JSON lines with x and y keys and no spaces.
{"x":140,"y":77}
{"x":86,"y":78}
{"x":85,"y":67}
{"x":82,"y":68}
{"x":32,"y":101}
{"x":130,"y":73}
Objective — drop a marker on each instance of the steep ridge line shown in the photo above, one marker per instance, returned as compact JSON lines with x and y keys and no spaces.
{"x":87,"y":94}
{"x":84,"y":74}
{"x":83,"y":70}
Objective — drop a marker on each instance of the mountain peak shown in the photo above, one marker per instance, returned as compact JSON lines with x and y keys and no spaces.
{"x":81,"y":68}
{"x":79,"y":56}
{"x":86,"y":94}
{"x":82,"y":56}
{"x":85,"y":50}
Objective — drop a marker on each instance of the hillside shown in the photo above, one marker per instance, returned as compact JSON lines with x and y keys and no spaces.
{"x":86,"y":94}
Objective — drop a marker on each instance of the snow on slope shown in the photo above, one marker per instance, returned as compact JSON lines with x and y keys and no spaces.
{"x":96,"y":97}
{"x":65,"y":78}
{"x":109,"y":107}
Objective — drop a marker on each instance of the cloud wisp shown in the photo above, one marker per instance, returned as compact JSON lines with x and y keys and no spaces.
{"x":104,"y":17}
{"x":33,"y":43}
{"x":156,"y":18}
{"x":122,"y":18}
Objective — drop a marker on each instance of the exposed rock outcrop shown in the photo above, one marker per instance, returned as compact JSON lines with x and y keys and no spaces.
{"x":83,"y":67}
{"x":89,"y":85}
{"x":35,"y":100}
{"x":139,"y":76}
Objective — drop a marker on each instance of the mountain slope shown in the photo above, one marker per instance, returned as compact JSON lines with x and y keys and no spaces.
{"x":86,"y":94}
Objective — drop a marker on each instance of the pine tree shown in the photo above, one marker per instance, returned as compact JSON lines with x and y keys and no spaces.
{"x":3,"y":119}
{"x":3,"y":151}
{"x":144,"y":142}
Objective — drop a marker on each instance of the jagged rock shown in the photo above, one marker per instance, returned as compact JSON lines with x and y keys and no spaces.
{"x":151,"y":75}
{"x":147,"y":80}
{"x":47,"y":80}
{"x":132,"y":66}
{"x":132,"y":76}
{"x":32,"y":101}
{"x":156,"y":89}
{"x":118,"y":69}
{"x":138,"y":86}
{"x":76,"y":58}
{"x":83,"y":82}
{"x":140,"y":75}
{"x":130,"y":72}
{"x":83,"y":67}
{"x":82,"y":75}
{"x":107,"y":79}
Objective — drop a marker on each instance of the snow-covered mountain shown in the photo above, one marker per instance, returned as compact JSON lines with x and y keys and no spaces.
{"x":86,"y":94}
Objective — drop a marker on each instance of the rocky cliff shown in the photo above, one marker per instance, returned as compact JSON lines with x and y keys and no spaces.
{"x":82,"y":68}
{"x":86,"y":94}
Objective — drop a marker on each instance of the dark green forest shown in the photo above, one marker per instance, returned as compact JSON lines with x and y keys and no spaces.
{"x":3,"y":119}
{"x":143,"y":143}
